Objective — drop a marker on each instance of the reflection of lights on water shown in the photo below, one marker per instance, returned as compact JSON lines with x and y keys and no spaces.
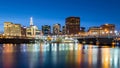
{"x":23,"y":48}
{"x":95,"y":54}
{"x":8,"y":48}
{"x":76,"y":46}
{"x":80,"y":46}
{"x":116,"y":53}
{"x":85,"y":46}
{"x":71,"y":46}
{"x":3,"y":45}
{"x":11,"y":45}
{"x":61,"y":47}
{"x":35,"y":47}
{"x":45,"y":47}
{"x":106,"y":57}
{"x":30,"y":47}
{"x":67,"y":47}
{"x":54,"y":47}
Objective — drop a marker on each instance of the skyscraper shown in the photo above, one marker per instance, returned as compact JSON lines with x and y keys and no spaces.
{"x":31,"y":21}
{"x":72,"y":25}
{"x":56,"y":29}
{"x":46,"y":29}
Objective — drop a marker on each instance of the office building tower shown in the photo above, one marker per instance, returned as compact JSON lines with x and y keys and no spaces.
{"x":72,"y":25}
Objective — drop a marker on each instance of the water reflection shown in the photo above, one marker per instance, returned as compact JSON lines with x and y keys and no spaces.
{"x":8,"y":56}
{"x":58,"y":55}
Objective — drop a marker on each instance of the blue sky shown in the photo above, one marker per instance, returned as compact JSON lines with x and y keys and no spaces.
{"x":91,"y":12}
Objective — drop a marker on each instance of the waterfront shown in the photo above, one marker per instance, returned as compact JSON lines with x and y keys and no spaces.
{"x":59,"y":55}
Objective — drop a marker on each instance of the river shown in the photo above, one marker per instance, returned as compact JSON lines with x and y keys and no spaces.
{"x":59,"y":55}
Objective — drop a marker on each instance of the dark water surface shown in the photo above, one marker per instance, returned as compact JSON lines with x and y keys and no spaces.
{"x":63,"y":55}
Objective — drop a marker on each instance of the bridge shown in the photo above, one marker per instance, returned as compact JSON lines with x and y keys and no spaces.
{"x":108,"y":40}
{"x":81,"y":39}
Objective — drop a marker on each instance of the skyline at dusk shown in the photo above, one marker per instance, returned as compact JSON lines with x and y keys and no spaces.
{"x":59,"y":33}
{"x":45,"y":12}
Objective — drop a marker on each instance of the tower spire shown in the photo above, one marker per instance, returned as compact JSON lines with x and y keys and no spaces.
{"x":31,"y":21}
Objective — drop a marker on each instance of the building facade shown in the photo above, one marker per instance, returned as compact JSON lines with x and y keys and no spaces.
{"x":46,"y":30}
{"x":33,"y":30}
{"x":23,"y":32}
{"x":64,"y":30}
{"x":72,"y":25}
{"x":108,"y":28}
{"x":95,"y":31}
{"x":11,"y":29}
{"x":103,"y":30}
{"x":56,"y":29}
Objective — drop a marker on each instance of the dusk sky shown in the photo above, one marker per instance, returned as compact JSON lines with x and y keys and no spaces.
{"x":49,"y":12}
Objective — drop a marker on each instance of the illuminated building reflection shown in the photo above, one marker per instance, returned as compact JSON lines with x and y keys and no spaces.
{"x":69,"y":54}
{"x":115,"y":58}
{"x":8,"y":56}
{"x":79,"y":53}
{"x":105,"y":58}
{"x":33,"y":59}
{"x":90,"y":55}
{"x":8,"y":48}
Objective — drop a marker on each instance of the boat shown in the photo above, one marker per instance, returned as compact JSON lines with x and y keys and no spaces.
{"x":69,"y":40}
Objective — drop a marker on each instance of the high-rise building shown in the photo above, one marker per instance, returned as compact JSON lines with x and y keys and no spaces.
{"x":56,"y":29}
{"x":46,"y":29}
{"x":11,"y":29}
{"x":32,"y":31}
{"x":72,"y":25}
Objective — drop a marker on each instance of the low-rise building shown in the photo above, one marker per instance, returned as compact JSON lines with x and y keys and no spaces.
{"x":11,"y":29}
{"x":103,"y":30}
{"x":95,"y":31}
{"x":108,"y":28}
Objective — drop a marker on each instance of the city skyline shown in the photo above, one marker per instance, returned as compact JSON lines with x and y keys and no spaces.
{"x":92,"y":13}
